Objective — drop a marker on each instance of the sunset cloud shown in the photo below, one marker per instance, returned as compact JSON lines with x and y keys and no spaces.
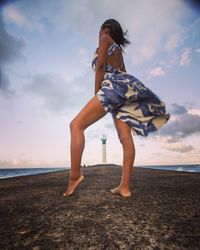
{"x":178,"y":147}
{"x":185,"y":57}
{"x":14,"y":15}
{"x":172,"y":42}
{"x":158,"y":71}
{"x":174,"y":143}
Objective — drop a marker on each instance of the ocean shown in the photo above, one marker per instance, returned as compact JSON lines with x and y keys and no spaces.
{"x":14,"y":172}
{"x":183,"y":168}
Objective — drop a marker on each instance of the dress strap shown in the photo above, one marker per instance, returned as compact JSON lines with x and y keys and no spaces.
{"x":112,"y":48}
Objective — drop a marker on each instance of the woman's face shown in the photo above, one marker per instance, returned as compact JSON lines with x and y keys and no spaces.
{"x":103,"y":31}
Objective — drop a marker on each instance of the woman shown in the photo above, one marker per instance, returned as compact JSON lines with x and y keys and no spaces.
{"x":134,"y":107}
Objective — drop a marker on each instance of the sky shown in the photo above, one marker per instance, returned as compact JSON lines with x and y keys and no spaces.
{"x":46,"y":78}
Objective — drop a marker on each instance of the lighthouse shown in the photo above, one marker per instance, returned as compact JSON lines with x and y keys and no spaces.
{"x":103,"y":140}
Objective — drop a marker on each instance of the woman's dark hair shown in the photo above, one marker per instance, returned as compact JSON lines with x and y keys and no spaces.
{"x":116,"y":32}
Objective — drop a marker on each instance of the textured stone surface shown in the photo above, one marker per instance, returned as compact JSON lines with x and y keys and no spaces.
{"x":163,"y":213}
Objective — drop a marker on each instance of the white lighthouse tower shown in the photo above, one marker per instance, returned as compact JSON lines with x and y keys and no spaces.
{"x":103,"y":139}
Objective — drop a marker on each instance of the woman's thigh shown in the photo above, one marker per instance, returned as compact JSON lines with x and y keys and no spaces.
{"x":89,"y":114}
{"x":123,"y":129}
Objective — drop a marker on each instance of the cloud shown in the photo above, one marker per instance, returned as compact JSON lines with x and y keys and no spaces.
{"x":5,"y":85}
{"x":178,"y":147}
{"x":172,"y":42}
{"x":57,"y":94}
{"x":158,"y":71}
{"x":198,"y":50}
{"x":185,"y":60}
{"x":146,"y":33}
{"x":69,"y":12}
{"x":185,"y":124}
{"x":163,"y":26}
{"x":177,"y":109}
{"x":20,"y":162}
{"x":172,"y":139}
{"x":32,"y":16}
{"x":194,"y":111}
{"x":149,"y":33}
{"x":144,"y":53}
{"x":12,"y":14}
{"x":173,"y":143}
{"x":11,"y":48}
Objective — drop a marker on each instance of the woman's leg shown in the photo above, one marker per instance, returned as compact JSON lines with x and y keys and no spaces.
{"x":92,"y":112}
{"x":125,"y":137}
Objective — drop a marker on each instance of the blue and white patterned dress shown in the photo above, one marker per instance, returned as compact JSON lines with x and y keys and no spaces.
{"x":129,"y":100}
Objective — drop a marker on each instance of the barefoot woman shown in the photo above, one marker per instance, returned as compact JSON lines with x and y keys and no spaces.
{"x":133,"y":106}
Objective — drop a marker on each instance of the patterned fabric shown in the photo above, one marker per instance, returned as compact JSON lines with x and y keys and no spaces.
{"x":128,"y":99}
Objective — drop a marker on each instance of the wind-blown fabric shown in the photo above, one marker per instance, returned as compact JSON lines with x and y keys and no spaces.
{"x":129,"y":100}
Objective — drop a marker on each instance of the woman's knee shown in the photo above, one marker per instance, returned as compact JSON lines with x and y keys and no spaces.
{"x":75,"y":124}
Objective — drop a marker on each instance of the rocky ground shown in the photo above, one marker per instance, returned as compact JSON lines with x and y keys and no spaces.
{"x":163,"y":213}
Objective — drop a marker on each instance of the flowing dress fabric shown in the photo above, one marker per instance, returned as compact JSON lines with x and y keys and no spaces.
{"x":129,"y":100}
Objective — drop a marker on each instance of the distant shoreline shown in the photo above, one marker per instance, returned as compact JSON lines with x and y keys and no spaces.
{"x":93,"y":165}
{"x":16,"y":172}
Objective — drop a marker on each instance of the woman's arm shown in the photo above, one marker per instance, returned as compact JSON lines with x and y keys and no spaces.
{"x":104,"y":43}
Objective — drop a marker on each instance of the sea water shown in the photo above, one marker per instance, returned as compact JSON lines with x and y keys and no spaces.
{"x":14,"y":172}
{"x":182,"y":168}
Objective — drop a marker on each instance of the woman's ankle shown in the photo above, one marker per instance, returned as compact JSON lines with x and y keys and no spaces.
{"x":74,"y":176}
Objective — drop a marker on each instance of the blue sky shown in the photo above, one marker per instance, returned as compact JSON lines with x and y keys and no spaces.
{"x":46,"y":49}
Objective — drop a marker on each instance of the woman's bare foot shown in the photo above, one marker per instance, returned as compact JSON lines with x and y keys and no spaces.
{"x":73,"y":184}
{"x":121,"y":192}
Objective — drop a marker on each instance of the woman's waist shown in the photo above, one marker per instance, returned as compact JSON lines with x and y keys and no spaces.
{"x":110,"y":69}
